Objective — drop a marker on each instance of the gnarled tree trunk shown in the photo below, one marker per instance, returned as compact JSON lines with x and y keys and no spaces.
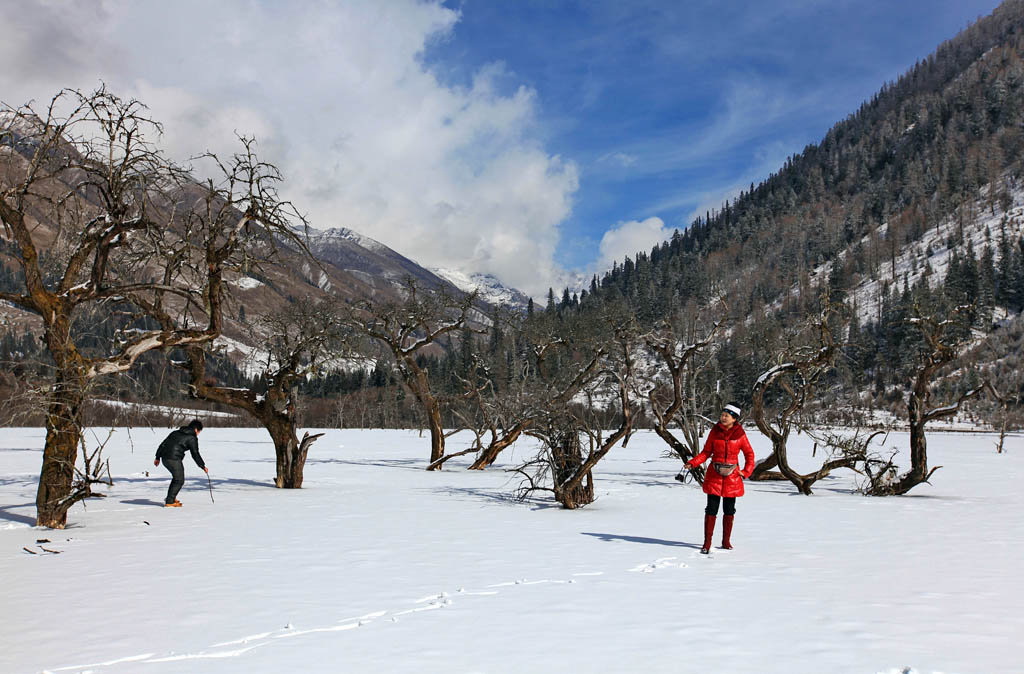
{"x":291,"y":453}
{"x":431,"y":407}
{"x":54,"y":496}
{"x":567,"y":460}
{"x":763,"y":469}
{"x":491,"y":452}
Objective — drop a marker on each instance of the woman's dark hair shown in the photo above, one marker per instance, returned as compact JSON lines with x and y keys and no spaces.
{"x":196,"y":425}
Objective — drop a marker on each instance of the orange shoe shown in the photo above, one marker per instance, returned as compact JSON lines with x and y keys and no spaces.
{"x":176,"y":504}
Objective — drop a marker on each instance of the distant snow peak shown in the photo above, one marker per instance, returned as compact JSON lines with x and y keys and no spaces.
{"x":576,"y":283}
{"x":355,"y":237}
{"x":489,"y":288}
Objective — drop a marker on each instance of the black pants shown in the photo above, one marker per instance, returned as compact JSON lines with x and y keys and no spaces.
{"x":712,"y":509}
{"x":177,"y":479}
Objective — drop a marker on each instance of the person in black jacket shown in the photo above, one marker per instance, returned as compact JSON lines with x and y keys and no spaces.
{"x":172,"y":452}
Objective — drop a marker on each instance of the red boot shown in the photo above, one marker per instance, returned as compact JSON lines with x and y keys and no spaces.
{"x":709,"y":531}
{"x":727,"y":531}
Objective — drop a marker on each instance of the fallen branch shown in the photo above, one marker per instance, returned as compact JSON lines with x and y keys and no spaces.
{"x":440,"y":462}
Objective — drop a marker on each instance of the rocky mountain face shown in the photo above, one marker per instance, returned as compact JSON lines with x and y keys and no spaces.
{"x":367,"y":261}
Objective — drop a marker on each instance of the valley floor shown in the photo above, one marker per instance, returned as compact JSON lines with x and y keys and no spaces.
{"x":379,"y":566}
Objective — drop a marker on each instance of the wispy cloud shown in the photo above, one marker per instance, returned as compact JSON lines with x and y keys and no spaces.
{"x":618,"y":158}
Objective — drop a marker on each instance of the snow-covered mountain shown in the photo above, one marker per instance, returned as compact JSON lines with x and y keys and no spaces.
{"x":355,"y":237}
{"x":371,"y":259}
{"x":490,"y":289}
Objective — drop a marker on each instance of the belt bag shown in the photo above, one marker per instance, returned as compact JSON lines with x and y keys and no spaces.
{"x":724,"y":469}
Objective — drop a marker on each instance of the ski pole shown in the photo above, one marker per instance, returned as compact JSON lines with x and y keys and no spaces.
{"x":210,"y":482}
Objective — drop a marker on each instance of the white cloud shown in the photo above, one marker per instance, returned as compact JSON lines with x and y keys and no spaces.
{"x":626,"y":239}
{"x":338,"y":96}
{"x":620,"y":158}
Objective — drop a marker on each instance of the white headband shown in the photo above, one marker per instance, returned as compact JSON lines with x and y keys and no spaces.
{"x":733,"y":410}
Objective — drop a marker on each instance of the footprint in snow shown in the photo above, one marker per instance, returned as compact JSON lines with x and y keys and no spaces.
{"x":662,"y":563}
{"x":429,"y":607}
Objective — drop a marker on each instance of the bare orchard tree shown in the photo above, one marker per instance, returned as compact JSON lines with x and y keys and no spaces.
{"x":792,"y":382}
{"x":536,"y":385}
{"x":1004,"y":421}
{"x":96,"y":216}
{"x":92,"y":213}
{"x":295,"y":341}
{"x":943,"y":339}
{"x":406,"y":327}
{"x":855,"y":448}
{"x":495,"y":419}
{"x":674,"y":399}
{"x":498,"y":420}
{"x":573,"y":435}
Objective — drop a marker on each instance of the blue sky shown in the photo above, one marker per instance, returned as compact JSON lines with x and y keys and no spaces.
{"x":668,"y":107}
{"x":536,"y":141}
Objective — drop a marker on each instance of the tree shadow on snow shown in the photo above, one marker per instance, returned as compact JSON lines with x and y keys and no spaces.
{"x":26,"y":481}
{"x":196,"y":482}
{"x":414,"y":464}
{"x":143,"y":501}
{"x":658,"y":479}
{"x":640,"y":539}
{"x":479,"y":494}
{"x":13,"y":517}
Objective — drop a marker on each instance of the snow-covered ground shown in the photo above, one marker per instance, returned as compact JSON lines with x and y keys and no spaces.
{"x":378,"y":566}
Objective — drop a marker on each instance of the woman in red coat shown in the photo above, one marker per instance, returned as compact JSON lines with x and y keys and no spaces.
{"x":724,"y":479}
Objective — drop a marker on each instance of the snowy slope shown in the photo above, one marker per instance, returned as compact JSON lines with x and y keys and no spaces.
{"x":378,"y":566}
{"x":913,"y":259}
{"x":356,"y":238}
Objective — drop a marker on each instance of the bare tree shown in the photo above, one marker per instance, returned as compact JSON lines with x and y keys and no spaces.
{"x":675,"y":401}
{"x":1003,"y":422}
{"x":96,"y":216}
{"x":857,"y":455}
{"x":496,"y":420}
{"x":794,"y":381}
{"x":572,"y":435}
{"x":296,"y":341}
{"x":407,"y":327}
{"x":943,"y":339}
{"x":537,"y":387}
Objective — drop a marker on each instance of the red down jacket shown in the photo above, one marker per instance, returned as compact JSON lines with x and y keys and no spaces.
{"x":724,"y":446}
